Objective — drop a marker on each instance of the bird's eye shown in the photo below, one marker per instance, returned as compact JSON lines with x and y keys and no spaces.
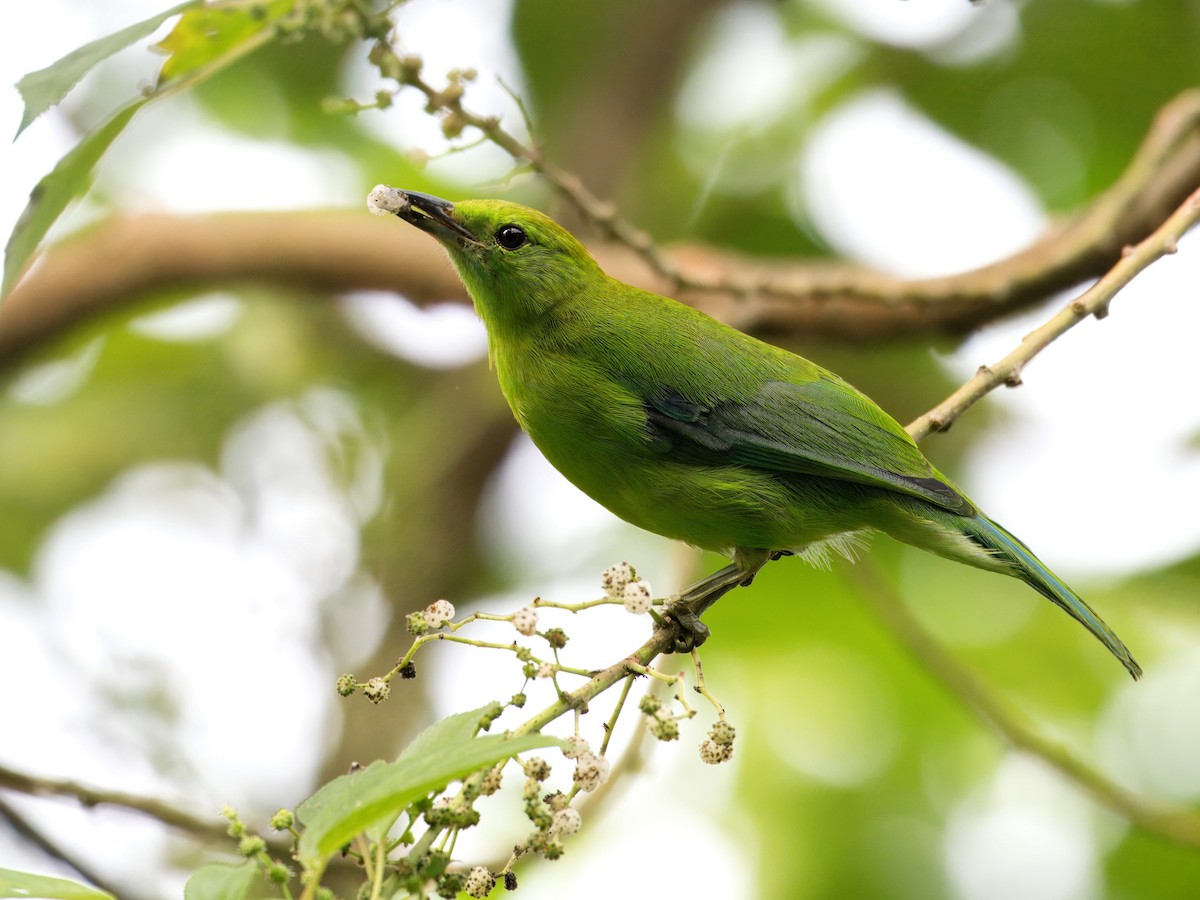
{"x":510,"y":237}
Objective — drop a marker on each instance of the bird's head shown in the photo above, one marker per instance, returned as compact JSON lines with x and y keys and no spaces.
{"x":518,"y":264}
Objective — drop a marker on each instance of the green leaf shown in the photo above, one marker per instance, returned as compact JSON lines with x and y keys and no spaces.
{"x":353,"y":803}
{"x":196,"y":56}
{"x":46,"y":87}
{"x":26,"y":884}
{"x":69,"y":179}
{"x":222,"y":881}
{"x":206,"y":34}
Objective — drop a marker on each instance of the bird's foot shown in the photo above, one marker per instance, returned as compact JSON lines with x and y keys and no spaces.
{"x":690,"y":632}
{"x":684,"y":611}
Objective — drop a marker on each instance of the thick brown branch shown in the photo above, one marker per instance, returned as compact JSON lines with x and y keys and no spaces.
{"x":128,"y":257}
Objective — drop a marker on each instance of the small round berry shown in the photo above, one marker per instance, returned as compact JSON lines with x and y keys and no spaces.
{"x":279,"y":873}
{"x":251,"y":845}
{"x":450,"y":884}
{"x":491,"y":781}
{"x":282,"y":820}
{"x":452,"y":126}
{"x":537,"y":768}
{"x":539,"y":814}
{"x":346,"y":685}
{"x":665,"y":729}
{"x":574,"y":746}
{"x":525,"y":621}
{"x":638,"y":597}
{"x":615,"y":578}
{"x":236,"y":828}
{"x":713,"y":753}
{"x":556,"y":638}
{"x":545,"y":670}
{"x":387,"y":201}
{"x":591,"y":771}
{"x":439,"y":613}
{"x":510,"y":880}
{"x":649,"y":704}
{"x":417,"y":624}
{"x":479,"y":882}
{"x":566,"y":821}
{"x":376,"y":690}
{"x":438,"y":815}
{"x":722,"y":733}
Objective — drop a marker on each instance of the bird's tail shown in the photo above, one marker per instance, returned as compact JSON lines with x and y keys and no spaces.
{"x":1004,"y":546}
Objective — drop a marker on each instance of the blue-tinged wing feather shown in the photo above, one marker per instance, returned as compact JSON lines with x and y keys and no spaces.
{"x":822,"y":428}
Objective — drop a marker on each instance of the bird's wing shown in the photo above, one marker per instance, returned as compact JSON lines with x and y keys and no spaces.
{"x":822,"y":427}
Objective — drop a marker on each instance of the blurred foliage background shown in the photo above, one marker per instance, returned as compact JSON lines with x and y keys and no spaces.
{"x":215,"y":499}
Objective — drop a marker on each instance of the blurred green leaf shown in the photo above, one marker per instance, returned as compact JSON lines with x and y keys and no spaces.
{"x":204,"y":41}
{"x":46,"y":87}
{"x":69,"y":179}
{"x":221,"y":881}
{"x":207,"y":34}
{"x":26,"y":884}
{"x":353,"y":803}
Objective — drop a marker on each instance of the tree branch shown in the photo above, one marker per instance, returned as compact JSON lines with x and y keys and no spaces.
{"x":39,"y":786}
{"x":1164,"y":170}
{"x":31,"y":833}
{"x":126,"y":258}
{"x":1093,"y":302}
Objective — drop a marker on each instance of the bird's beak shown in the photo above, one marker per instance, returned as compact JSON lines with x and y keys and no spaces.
{"x":433,"y":215}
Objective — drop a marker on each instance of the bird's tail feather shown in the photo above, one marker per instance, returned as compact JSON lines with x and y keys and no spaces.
{"x":1003,"y":545}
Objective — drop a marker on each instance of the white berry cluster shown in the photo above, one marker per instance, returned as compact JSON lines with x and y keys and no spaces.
{"x":575,"y":746}
{"x":387,"y":201}
{"x":431,"y":618}
{"x":479,"y":882}
{"x":621,"y":582}
{"x":718,"y":746}
{"x":566,"y":821}
{"x":591,"y":770}
{"x":376,"y":690}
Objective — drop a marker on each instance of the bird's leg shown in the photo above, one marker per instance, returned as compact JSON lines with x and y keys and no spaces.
{"x":686,"y":609}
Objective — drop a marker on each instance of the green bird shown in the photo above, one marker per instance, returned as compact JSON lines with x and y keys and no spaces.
{"x":691,"y":429}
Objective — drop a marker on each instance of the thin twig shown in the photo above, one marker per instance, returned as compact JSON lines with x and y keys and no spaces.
{"x":1170,"y":139}
{"x":1093,"y":302}
{"x":93,"y":796}
{"x":30,"y":832}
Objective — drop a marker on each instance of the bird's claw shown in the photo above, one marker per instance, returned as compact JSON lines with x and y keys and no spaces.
{"x":690,"y":632}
